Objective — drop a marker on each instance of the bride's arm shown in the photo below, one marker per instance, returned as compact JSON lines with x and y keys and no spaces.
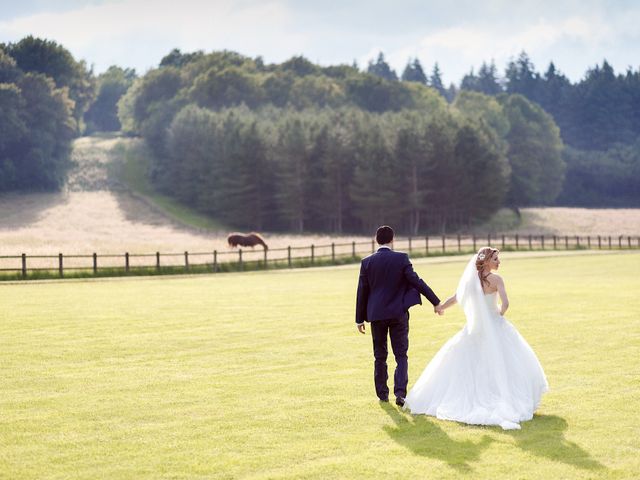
{"x":504,"y":300}
{"x":452,"y":300}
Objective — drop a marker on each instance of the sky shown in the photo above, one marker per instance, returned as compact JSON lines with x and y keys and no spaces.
{"x":457,"y":34}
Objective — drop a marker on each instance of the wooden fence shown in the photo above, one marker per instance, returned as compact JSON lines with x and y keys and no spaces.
{"x":25,"y":266}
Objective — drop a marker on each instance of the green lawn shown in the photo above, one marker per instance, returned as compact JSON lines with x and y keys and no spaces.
{"x":262,"y":375}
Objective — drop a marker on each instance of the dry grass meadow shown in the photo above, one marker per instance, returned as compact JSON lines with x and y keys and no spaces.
{"x":95,"y":213}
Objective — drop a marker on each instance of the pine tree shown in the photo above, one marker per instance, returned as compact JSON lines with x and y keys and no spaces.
{"x":376,"y":187}
{"x":488,"y":79}
{"x":382,"y":69}
{"x":413,"y":72}
{"x":338,"y":168}
{"x":412,"y":158}
{"x":292,"y":174}
{"x":436,"y":82}
{"x":521,"y":77}
{"x":470,"y":82}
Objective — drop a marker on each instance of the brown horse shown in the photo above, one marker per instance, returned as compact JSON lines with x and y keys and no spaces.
{"x":250,"y":240}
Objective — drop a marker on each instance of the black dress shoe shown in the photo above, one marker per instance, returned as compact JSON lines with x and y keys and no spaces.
{"x":400,"y":401}
{"x":385,"y":399}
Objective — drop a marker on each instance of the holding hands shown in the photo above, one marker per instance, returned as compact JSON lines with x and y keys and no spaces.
{"x":441,"y":307}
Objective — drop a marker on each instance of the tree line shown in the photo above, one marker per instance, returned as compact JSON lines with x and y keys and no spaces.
{"x":599,"y":121}
{"x":336,"y":149}
{"x":47,"y":98}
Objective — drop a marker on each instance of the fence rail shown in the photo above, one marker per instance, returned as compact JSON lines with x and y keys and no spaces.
{"x":34,"y":266}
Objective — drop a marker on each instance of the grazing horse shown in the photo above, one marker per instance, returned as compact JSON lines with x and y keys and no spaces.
{"x":250,"y":240}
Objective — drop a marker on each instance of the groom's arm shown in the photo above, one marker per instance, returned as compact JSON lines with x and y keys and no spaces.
{"x":416,"y":282}
{"x":362,"y":296}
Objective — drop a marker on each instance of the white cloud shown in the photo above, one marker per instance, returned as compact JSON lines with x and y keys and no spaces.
{"x":460,"y":47}
{"x":575,"y":34}
{"x":145,"y":31}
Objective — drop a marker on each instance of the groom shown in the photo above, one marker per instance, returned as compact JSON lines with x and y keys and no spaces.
{"x":387,"y":287}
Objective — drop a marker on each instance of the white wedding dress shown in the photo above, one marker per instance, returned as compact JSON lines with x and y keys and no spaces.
{"x":486,"y":374}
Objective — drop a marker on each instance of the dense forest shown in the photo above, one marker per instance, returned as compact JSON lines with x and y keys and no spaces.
{"x":599,"y":121}
{"x":298,"y":146}
{"x":301,"y":147}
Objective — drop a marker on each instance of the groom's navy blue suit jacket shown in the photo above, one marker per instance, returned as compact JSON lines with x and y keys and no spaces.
{"x":388,"y":286}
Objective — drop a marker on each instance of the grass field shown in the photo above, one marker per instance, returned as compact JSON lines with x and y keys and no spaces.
{"x":262,"y":375}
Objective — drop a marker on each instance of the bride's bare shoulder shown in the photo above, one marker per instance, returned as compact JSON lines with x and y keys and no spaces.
{"x":494,"y":279}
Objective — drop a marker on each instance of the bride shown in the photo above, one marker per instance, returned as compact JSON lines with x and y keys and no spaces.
{"x":486,"y":374}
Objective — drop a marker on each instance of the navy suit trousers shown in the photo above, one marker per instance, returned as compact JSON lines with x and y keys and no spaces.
{"x":398,"y":331}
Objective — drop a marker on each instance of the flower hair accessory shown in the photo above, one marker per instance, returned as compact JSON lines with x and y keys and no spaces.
{"x":481,"y":256}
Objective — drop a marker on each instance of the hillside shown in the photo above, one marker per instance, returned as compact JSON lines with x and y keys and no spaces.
{"x":97,"y":212}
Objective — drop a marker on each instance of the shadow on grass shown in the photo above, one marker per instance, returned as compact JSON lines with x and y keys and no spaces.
{"x":424,"y":437}
{"x":544,"y":437}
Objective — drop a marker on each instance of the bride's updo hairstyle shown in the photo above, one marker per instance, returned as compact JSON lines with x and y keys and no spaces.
{"x":484,"y":255}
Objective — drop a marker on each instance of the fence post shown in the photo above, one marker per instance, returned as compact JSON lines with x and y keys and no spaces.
{"x":517,"y":244}
{"x":443,"y":243}
{"x":186,"y":261}
{"x":312,"y":254}
{"x":566,"y":242}
{"x":502,"y":242}
{"x":95,"y":262}
{"x":629,"y":241}
{"x":620,"y":241}
{"x":289,"y":255}
{"x":157,"y":260}
{"x":577,"y":241}
{"x":353,"y":249}
{"x":240,"y":259}
{"x":265,"y":258}
{"x":373,"y":247}
{"x":426,"y":244}
{"x":409,"y":244}
{"x":609,"y":242}
{"x":542,"y":241}
{"x":24,"y":265}
{"x":459,"y":247}
{"x":126,"y":261}
{"x":333,"y":252}
{"x":530,"y":247}
{"x":589,"y":242}
{"x":215,"y":260}
{"x":60,"y":267}
{"x":473,"y":237}
{"x":599,"y":242}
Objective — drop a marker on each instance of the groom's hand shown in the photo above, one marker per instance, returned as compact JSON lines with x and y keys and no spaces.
{"x":360,"y":327}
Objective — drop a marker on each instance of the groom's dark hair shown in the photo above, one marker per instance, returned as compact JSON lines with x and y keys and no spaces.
{"x":384,"y":234}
